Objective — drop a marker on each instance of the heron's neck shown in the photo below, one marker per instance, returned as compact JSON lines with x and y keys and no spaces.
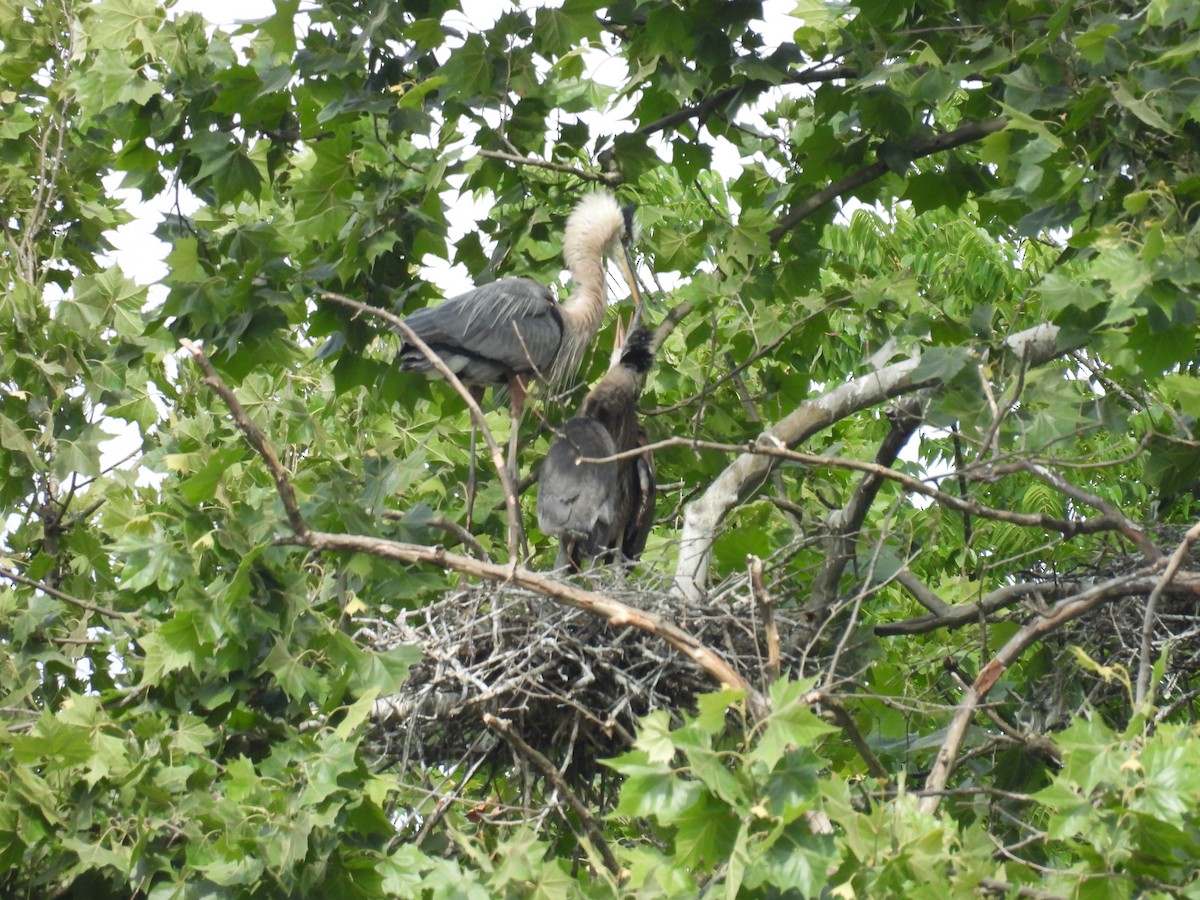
{"x":583,"y":310}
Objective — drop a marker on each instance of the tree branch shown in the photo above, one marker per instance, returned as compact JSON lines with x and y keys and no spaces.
{"x":254,"y":435}
{"x":18,"y":578}
{"x":1145,"y":663}
{"x":926,"y":146}
{"x":616,"y":613}
{"x":609,"y":178}
{"x":751,"y":89}
{"x":844,"y":524}
{"x":956,"y":616}
{"x":739,"y":480}
{"x":548,"y":770}
{"x":1062,"y":612}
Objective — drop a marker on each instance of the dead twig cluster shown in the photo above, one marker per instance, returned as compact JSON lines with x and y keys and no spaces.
{"x":571,"y":685}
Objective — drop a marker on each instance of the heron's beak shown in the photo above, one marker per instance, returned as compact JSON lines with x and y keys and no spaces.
{"x":618,"y":344}
{"x":635,"y":291}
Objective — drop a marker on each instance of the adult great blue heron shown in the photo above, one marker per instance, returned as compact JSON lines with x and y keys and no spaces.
{"x":503,"y":332}
{"x":596,"y":509}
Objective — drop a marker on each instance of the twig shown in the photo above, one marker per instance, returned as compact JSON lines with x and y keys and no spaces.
{"x":1145,"y":664}
{"x":845,"y":721}
{"x":1127,"y":527}
{"x":506,"y":482}
{"x":65,"y":598}
{"x":765,"y":602}
{"x":551,"y":774}
{"x":1066,"y":527}
{"x":453,"y":528}
{"x":702,"y":110}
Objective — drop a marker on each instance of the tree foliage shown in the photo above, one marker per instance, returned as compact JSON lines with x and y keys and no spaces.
{"x":968,"y":230}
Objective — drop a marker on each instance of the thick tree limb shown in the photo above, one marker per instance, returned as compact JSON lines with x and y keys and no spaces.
{"x":844,"y":524}
{"x":743,"y":476}
{"x":965,"y":134}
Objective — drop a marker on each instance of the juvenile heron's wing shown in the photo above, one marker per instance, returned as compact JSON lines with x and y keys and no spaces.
{"x":577,"y":502}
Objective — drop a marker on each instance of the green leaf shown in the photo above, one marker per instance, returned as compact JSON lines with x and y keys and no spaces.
{"x":1092,"y":43}
{"x":940,"y":363}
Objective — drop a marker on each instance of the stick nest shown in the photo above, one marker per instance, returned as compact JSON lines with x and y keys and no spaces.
{"x":572,"y":686}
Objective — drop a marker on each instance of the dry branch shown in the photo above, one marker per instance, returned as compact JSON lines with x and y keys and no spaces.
{"x":551,"y":774}
{"x":616,"y":613}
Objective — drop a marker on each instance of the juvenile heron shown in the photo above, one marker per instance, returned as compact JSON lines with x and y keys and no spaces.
{"x":596,"y":509}
{"x":503,"y":332}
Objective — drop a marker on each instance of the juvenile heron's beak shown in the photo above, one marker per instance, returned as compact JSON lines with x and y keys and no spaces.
{"x":635,"y":291}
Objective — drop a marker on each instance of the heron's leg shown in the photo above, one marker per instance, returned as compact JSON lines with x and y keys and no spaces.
{"x":472,"y":482}
{"x":516,"y":392}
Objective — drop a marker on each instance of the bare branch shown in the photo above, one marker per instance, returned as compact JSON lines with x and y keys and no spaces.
{"x":452,"y":528}
{"x":18,"y":578}
{"x":842,"y":718}
{"x":1127,"y":527}
{"x":1145,"y":663}
{"x":506,"y":483}
{"x":951,"y":617}
{"x":766,"y":603}
{"x":609,"y":178}
{"x":618,"y":614}
{"x":1057,"y":615}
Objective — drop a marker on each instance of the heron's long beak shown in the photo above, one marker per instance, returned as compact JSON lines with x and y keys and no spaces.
{"x":631,"y":280}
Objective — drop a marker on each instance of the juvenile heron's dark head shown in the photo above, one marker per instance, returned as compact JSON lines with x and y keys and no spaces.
{"x":637,"y":354}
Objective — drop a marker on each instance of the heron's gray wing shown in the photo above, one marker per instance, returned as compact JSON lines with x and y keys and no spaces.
{"x":574,"y":500}
{"x":508,"y":326}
